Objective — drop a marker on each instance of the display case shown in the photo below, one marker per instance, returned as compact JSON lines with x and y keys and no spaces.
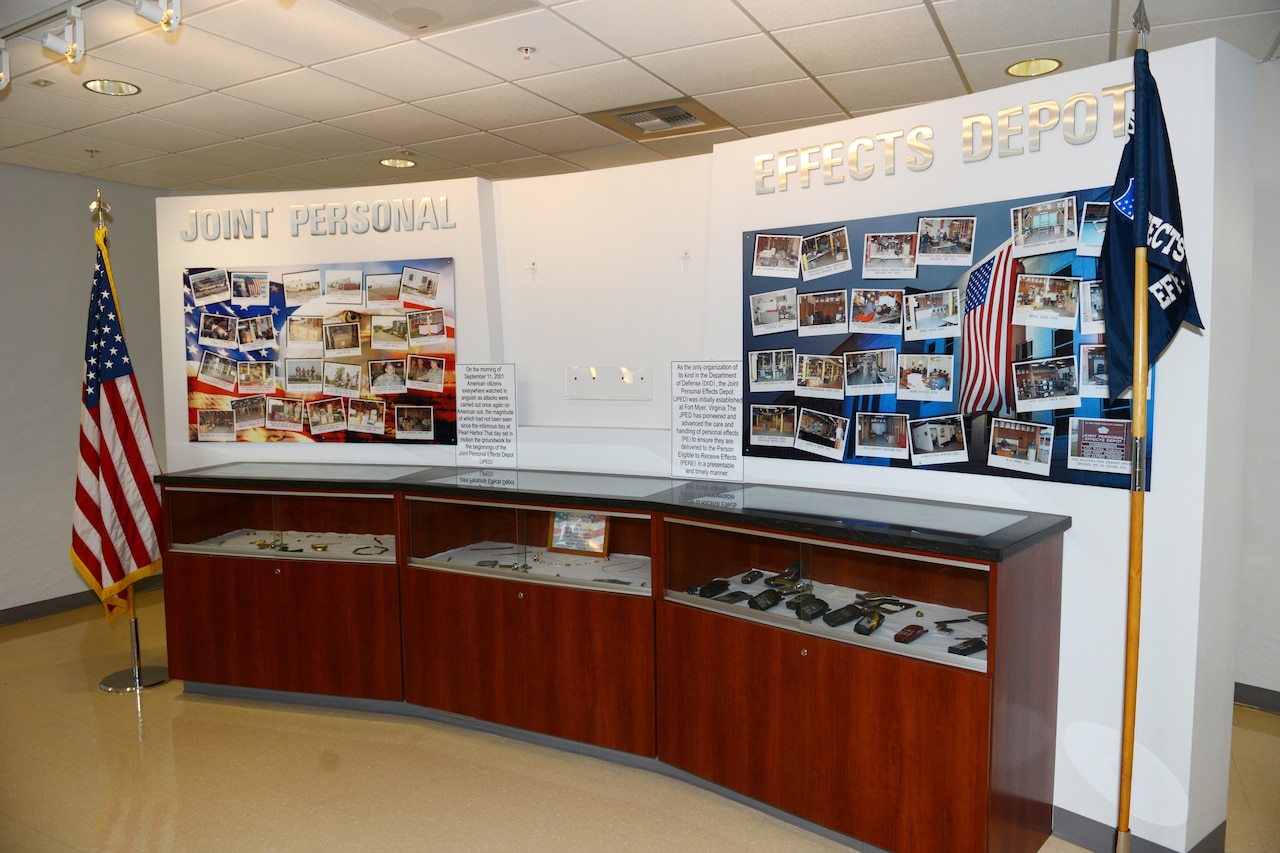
{"x":789,"y":671}
{"x":617,"y":612}
{"x":284,"y":589}
{"x":546,"y":611}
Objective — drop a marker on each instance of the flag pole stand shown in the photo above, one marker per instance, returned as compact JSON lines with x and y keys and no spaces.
{"x":138,"y":677}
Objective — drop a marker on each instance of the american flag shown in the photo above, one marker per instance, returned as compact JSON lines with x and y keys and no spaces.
{"x":986,"y":334}
{"x":114,"y":540}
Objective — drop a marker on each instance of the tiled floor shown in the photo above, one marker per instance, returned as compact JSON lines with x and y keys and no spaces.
{"x":82,"y":770}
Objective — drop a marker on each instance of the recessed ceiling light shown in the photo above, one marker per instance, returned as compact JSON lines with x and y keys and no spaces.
{"x":397,"y":163}
{"x":1033,"y":67}
{"x":111,"y":87}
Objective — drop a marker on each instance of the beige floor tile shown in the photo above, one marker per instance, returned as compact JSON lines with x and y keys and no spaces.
{"x":82,"y":770}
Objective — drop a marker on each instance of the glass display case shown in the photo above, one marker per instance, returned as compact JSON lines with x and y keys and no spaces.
{"x":916,"y":605}
{"x":605,"y":549}
{"x":328,"y":526}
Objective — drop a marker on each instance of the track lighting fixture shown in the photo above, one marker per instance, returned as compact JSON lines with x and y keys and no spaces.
{"x":71,"y":43}
{"x":166,"y":13}
{"x":4,"y":65}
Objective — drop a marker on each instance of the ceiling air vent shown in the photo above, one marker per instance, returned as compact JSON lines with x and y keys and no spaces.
{"x":659,"y":120}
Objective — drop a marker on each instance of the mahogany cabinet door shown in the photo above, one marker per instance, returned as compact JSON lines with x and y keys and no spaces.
{"x":457,"y":630}
{"x":588,"y":667}
{"x":729,"y":702}
{"x":221,"y":620}
{"x":339,"y":628}
{"x":896,"y":749}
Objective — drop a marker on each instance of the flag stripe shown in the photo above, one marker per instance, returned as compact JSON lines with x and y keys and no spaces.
{"x":114,"y":530}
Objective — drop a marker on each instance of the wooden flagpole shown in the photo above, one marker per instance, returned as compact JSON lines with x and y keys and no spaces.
{"x":1138,"y":483}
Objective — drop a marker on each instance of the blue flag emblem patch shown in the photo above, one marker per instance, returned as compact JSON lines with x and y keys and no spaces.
{"x":1125,"y":203}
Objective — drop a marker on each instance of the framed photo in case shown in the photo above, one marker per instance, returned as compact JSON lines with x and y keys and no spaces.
{"x":579,"y":533}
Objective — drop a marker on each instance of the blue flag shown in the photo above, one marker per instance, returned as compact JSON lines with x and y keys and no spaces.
{"x":1145,"y":210}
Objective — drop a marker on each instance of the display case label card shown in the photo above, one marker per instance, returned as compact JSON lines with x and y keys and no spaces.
{"x":706,"y":420}
{"x":487,"y":415}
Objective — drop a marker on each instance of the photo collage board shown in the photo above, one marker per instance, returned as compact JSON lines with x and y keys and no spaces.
{"x":964,"y":340}
{"x":347,"y":352}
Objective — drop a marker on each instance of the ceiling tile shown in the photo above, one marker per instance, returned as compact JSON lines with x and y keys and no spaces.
{"x":23,"y":102}
{"x":492,"y":45}
{"x":531,"y":167}
{"x":780,"y":14}
{"x":36,"y":160}
{"x":873,"y":89}
{"x":978,"y":25}
{"x":185,"y":168}
{"x":986,"y":70}
{"x":302,"y":31}
{"x":370,"y":161}
{"x":657,"y":25}
{"x":17,"y":132}
{"x":77,"y":147}
{"x":503,"y":105}
{"x":309,"y":93}
{"x":694,"y":143}
{"x":793,"y":124}
{"x":319,"y":140}
{"x":719,"y":66}
{"x":409,"y":72}
{"x":324,"y":173}
{"x":775,"y":102}
{"x":602,"y":87}
{"x":475,"y":149}
{"x":561,"y":134}
{"x":1256,"y":35}
{"x":608,"y":156}
{"x":154,"y":91}
{"x":153,"y":133}
{"x":194,"y":56}
{"x":401,"y":125}
{"x":260,"y":182}
{"x":218,"y":112}
{"x":137,"y":177}
{"x":246,"y":155}
{"x":849,"y":44}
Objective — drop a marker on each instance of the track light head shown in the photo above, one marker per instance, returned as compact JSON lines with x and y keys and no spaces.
{"x":4,"y":66}
{"x":71,"y":43}
{"x":166,"y":13}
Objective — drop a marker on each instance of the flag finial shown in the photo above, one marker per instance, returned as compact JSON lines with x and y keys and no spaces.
{"x":100,"y":208}
{"x":1141,"y":23}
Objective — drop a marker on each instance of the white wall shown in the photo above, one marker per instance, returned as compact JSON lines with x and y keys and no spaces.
{"x":46,"y":266}
{"x":1258,"y":649}
{"x":1190,"y":507}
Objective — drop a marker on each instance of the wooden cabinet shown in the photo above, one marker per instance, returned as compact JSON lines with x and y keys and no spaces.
{"x":563,"y":650}
{"x":243,"y":615}
{"x":907,"y":747}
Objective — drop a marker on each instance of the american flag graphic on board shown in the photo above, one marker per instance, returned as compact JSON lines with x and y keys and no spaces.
{"x":114,"y":540}
{"x":987,"y":334}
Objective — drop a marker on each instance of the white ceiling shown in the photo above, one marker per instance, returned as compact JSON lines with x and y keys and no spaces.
{"x":251,"y":95}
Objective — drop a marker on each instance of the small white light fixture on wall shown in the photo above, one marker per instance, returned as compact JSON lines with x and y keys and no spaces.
{"x":166,"y":13}
{"x":71,"y":43}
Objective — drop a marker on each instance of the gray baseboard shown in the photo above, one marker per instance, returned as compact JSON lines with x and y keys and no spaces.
{"x":63,"y":603}
{"x":1258,"y":697}
{"x":1101,"y":838}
